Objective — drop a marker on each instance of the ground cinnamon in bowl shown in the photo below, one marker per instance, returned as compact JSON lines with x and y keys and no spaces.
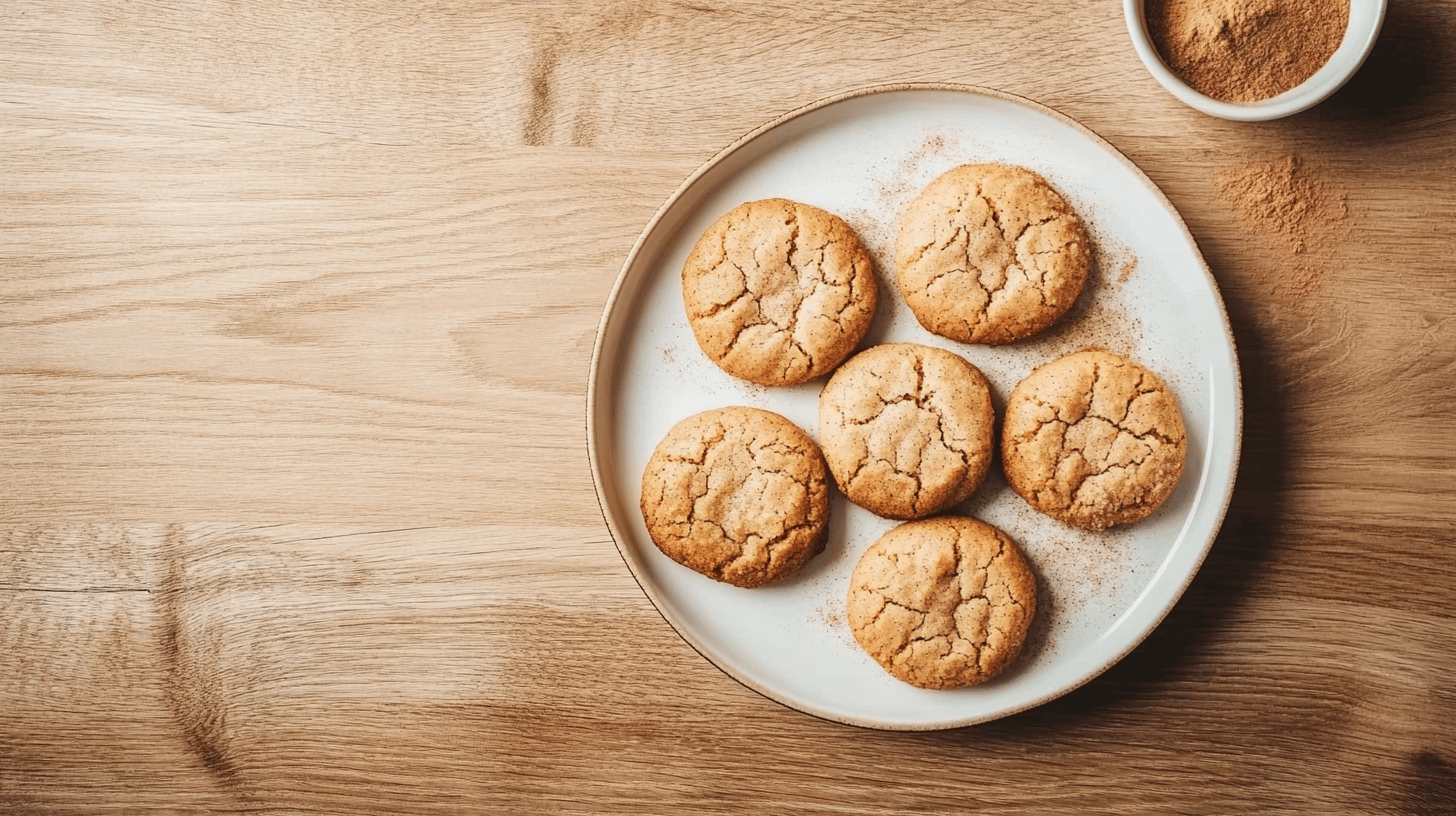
{"x":1246,"y":50}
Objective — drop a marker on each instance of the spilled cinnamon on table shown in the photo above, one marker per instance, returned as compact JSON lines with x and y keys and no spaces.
{"x":1286,"y":200}
{"x":1246,"y":50}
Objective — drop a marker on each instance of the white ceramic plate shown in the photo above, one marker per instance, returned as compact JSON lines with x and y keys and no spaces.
{"x":863,"y":156}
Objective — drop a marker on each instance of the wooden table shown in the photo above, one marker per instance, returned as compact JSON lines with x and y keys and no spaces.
{"x":296,"y":308}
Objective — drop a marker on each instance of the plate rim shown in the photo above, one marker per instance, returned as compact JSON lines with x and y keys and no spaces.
{"x":594,"y":404}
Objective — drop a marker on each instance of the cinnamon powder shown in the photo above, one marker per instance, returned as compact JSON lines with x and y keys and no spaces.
{"x":1246,"y":50}
{"x":1285,"y":200}
{"x":1282,"y":198}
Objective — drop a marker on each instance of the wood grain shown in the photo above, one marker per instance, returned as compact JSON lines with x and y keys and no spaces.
{"x":296,"y":308}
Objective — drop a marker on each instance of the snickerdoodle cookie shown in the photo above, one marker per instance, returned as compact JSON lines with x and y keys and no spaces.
{"x":990,"y":253}
{"x":908,"y":430}
{"x":737,"y":494}
{"x":1093,"y":439}
{"x":778,"y":292}
{"x":943,"y":602}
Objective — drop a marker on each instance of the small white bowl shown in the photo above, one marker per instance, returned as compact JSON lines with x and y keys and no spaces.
{"x":1365,"y":19}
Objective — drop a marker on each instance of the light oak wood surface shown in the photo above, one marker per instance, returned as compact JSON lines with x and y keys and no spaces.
{"x":297,"y":301}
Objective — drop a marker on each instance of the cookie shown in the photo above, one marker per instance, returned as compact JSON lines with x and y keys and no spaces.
{"x":990,"y":253}
{"x":778,"y":293}
{"x":740,"y":495}
{"x":907,"y":430}
{"x":942,"y":603}
{"x":1093,"y":439}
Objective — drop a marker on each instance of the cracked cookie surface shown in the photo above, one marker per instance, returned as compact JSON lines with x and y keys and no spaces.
{"x":943,"y":602}
{"x":778,"y":292}
{"x":1093,"y":439}
{"x":907,"y":430}
{"x":990,"y":253}
{"x":738,"y":494}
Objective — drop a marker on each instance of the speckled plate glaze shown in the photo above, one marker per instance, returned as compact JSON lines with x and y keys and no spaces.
{"x":863,"y":155}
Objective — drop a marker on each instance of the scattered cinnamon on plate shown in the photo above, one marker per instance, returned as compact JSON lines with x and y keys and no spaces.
{"x":1246,"y":50}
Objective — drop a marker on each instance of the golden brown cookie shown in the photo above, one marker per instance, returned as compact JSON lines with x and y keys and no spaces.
{"x":942,"y":602}
{"x":1093,"y":439}
{"x":738,"y":494}
{"x":908,"y":430}
{"x":779,"y":293}
{"x":990,"y":253}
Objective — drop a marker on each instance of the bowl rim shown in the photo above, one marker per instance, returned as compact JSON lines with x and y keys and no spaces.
{"x":1363,"y":29}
